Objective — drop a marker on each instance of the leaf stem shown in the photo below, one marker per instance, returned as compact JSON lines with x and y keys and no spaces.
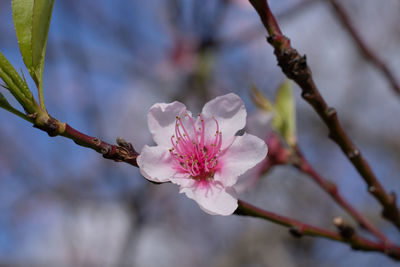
{"x":39,"y":85}
{"x":17,"y":112}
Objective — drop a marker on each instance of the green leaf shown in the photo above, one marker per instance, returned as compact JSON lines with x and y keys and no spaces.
{"x":42,"y":10}
{"x":4,"y":104}
{"x":285,"y":113}
{"x":260,"y":101}
{"x":32,"y":23}
{"x":9,"y":73}
{"x":16,"y":85}
{"x":22,"y":11}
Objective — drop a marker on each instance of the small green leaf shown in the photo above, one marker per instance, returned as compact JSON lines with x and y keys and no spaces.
{"x":15,"y":84}
{"x":285,"y":113}
{"x":32,"y":22}
{"x":4,"y":104}
{"x":260,"y":101}
{"x":22,"y":11}
{"x":42,"y":10}
{"x":9,"y":70}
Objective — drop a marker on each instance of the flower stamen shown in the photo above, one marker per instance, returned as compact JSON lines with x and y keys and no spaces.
{"x":194,"y":154}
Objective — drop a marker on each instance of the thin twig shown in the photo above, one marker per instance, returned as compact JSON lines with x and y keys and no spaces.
{"x":279,"y":154}
{"x":365,"y":50}
{"x":331,"y":188}
{"x":126,"y":153}
{"x":298,"y":229}
{"x":295,"y":67}
{"x":123,"y":151}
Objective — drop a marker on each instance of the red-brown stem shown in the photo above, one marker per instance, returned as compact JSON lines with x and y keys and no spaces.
{"x":331,"y":188}
{"x":299,"y":229}
{"x":362,"y":46}
{"x":295,"y":67}
{"x":278,"y":154}
{"x":121,"y":152}
{"x":267,"y":18}
{"x":125,"y":152}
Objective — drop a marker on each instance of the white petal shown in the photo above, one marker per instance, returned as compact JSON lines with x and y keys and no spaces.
{"x":244,"y":153}
{"x":183,"y":180}
{"x":230,"y":113}
{"x":259,"y":123}
{"x":156,"y":164}
{"x":213,"y":198}
{"x":250,"y":178}
{"x":161,"y":121}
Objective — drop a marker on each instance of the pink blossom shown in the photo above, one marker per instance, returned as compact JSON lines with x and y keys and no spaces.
{"x":202,"y":155}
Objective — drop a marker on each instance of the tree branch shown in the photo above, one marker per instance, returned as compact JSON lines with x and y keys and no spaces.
{"x":123,"y":151}
{"x":303,"y":165}
{"x":299,"y":229}
{"x":295,"y":67}
{"x":362,"y":46}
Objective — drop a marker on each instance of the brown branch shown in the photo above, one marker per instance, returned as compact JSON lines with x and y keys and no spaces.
{"x":362,"y":46}
{"x":298,"y":229}
{"x":279,"y":154}
{"x":331,"y":188}
{"x":295,"y":67}
{"x":123,"y":151}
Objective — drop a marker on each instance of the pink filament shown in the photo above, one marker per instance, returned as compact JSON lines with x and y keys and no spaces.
{"x":194,"y":154}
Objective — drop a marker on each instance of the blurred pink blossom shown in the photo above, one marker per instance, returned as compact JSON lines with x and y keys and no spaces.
{"x":204,"y":156}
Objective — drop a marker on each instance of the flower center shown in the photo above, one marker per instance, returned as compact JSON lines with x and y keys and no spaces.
{"x":193,"y":153}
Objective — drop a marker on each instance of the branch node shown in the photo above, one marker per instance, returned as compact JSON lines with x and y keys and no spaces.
{"x":345,"y":230}
{"x":388,"y":212}
{"x":96,"y":141}
{"x":372,"y":189}
{"x":295,"y":232}
{"x":122,"y":142}
{"x":353,"y":153}
{"x":50,"y":126}
{"x":330,"y":112}
{"x":308,"y":95}
{"x":104,"y":150}
{"x":32,"y":115}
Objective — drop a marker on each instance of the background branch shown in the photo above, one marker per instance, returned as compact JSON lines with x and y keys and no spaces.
{"x":295,"y":67}
{"x":363,"y":47}
{"x":298,"y":229}
{"x":331,"y":188}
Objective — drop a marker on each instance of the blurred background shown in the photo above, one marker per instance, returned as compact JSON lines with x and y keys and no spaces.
{"x":109,"y":61}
